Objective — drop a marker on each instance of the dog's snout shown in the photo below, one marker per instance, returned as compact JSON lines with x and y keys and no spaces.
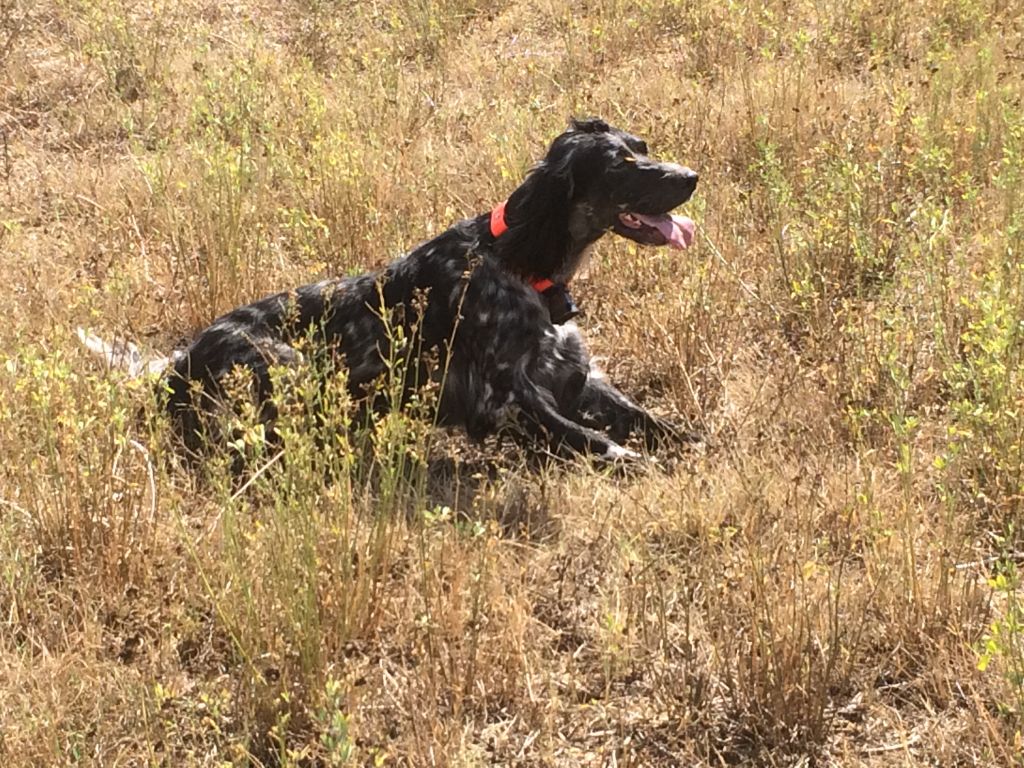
{"x":683,"y":181}
{"x":683,"y":174}
{"x":680,"y":175}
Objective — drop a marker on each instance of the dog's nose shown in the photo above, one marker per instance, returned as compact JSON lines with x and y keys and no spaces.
{"x":684,"y":180}
{"x":685,"y":175}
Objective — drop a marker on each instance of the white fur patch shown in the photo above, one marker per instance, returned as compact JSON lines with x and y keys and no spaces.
{"x":565,"y":330}
{"x":616,"y":452}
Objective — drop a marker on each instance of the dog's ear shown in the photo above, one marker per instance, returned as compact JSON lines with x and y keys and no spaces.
{"x":559,"y":169}
{"x":537,"y":212}
{"x":589,"y":125}
{"x":546,"y":190}
{"x":549,"y":187}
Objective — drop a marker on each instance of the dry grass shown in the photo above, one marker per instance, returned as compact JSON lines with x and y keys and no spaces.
{"x":834,"y":583}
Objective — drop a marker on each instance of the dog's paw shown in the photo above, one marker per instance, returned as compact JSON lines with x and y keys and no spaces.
{"x":617,"y":453}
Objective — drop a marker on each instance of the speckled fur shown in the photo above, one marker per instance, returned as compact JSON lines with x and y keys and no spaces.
{"x":466,"y":297}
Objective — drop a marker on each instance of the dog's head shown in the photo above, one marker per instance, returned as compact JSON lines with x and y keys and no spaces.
{"x":594,"y":178}
{"x":613,"y":183}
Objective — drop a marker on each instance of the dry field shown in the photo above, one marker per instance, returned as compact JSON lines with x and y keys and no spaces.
{"x":834,"y":582}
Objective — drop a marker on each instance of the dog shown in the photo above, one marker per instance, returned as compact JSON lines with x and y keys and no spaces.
{"x":487,"y":303}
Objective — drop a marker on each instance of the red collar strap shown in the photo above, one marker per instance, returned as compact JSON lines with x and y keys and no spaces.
{"x":498,"y":225}
{"x":498,"y":228}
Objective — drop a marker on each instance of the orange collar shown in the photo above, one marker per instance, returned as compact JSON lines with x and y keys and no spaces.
{"x":498,"y":228}
{"x":498,"y":225}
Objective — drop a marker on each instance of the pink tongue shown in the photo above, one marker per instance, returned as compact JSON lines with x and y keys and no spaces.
{"x":677,"y":230}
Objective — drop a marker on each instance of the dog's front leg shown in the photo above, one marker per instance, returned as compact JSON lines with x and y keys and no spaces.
{"x":539,"y":410}
{"x":603,"y":406}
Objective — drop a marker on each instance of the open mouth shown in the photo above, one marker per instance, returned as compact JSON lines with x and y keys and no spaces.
{"x":658,"y":229}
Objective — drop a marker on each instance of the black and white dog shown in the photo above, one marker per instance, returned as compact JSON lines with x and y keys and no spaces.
{"x":485,"y":301}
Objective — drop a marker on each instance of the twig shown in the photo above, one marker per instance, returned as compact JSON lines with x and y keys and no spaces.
{"x":914,"y":738}
{"x":1016,"y":556}
{"x":150,"y":475}
{"x":83,"y":199}
{"x":271,"y":462}
{"x":527,"y":743}
{"x":747,"y":288}
{"x":7,"y":160}
{"x":18,"y":508}
{"x":142,"y":245}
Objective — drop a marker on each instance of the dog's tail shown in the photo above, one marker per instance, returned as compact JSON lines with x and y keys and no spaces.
{"x":123,"y":355}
